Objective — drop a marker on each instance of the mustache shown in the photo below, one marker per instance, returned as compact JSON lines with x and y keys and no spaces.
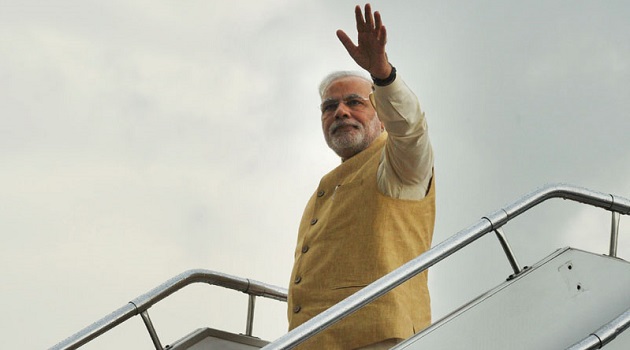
{"x":342,"y":123}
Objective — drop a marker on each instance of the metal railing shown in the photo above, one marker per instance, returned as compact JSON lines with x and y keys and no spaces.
{"x":141,"y":304}
{"x":605,"y":334}
{"x":492,"y":222}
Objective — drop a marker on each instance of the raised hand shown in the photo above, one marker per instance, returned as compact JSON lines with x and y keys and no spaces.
{"x":369,"y":53}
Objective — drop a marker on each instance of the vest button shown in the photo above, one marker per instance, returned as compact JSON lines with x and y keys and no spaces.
{"x":305,"y":249}
{"x":296,"y":309}
{"x":321,"y":193}
{"x":298,"y":279}
{"x":313,"y":221}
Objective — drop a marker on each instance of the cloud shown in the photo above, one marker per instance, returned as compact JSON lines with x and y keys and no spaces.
{"x":141,"y":139}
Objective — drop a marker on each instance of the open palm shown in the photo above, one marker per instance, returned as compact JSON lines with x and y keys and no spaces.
{"x":369,"y":53}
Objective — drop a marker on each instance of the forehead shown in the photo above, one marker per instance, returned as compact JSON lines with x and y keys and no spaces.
{"x":347,"y":85}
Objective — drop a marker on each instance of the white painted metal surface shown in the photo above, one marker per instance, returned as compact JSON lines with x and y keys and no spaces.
{"x":209,"y":339}
{"x":556,"y":303}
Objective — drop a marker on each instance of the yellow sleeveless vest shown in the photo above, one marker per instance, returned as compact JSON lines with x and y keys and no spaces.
{"x":349,"y":236}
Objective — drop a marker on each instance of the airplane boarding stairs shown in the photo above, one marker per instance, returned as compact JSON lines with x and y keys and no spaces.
{"x":572,"y":299}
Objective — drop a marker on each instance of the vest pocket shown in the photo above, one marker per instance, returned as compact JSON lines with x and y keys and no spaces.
{"x":348,"y":285}
{"x":341,"y":191}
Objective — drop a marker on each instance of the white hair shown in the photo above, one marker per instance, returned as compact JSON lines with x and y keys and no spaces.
{"x":330,"y":78}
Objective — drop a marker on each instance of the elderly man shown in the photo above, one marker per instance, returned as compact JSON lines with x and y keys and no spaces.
{"x":372,"y":213}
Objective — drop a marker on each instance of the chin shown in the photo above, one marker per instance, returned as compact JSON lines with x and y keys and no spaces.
{"x":346,"y":148}
{"x":347,"y":141}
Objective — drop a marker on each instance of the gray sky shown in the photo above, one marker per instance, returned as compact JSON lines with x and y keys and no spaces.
{"x":140,"y":139}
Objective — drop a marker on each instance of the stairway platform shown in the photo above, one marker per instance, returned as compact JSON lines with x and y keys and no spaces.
{"x":552,"y":305}
{"x":208,"y":338}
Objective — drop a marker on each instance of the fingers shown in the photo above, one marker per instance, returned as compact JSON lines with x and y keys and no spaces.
{"x":378,"y":22}
{"x":346,"y":41}
{"x":369,"y":20}
{"x":359,"y":17}
{"x":370,"y":23}
{"x":382,"y":36}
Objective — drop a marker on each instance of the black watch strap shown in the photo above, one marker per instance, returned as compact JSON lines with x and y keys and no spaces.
{"x":384,"y":82}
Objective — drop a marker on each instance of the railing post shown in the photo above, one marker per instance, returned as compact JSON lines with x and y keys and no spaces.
{"x":508,"y":251}
{"x":250,"y":315}
{"x":151,"y":329}
{"x":614,"y":234}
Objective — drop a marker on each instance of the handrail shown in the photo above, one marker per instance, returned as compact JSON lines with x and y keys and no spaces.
{"x":142,"y":303}
{"x":443,"y":250}
{"x":605,"y":334}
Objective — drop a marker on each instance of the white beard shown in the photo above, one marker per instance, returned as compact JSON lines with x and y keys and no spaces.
{"x":351,"y":140}
{"x":347,"y":143}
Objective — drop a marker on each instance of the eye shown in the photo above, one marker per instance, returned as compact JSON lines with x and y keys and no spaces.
{"x":329,"y":106}
{"x":355,"y":102}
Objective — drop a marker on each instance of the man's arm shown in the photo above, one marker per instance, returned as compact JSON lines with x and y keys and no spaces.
{"x":406,"y":168}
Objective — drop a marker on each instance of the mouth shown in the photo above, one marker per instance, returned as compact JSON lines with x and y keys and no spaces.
{"x":342,"y":127}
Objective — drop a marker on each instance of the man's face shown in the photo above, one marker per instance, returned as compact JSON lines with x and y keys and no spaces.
{"x":349,"y":120}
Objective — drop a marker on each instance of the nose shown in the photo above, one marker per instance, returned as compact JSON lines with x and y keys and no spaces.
{"x":342,"y":111}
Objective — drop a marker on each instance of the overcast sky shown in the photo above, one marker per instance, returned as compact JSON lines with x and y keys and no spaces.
{"x":140,"y":139}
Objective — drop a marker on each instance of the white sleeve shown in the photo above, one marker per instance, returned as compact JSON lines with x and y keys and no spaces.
{"x":406,"y":165}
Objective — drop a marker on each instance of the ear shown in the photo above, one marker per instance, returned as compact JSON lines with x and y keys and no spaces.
{"x":372,"y":100}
